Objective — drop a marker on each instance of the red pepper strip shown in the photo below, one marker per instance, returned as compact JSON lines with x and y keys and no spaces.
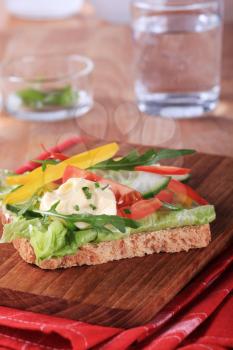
{"x":124,"y":194}
{"x":141,"y":209}
{"x":178,"y":187}
{"x":163,"y":170}
{"x":54,"y":155}
{"x":29,"y":166}
{"x":59,"y":156}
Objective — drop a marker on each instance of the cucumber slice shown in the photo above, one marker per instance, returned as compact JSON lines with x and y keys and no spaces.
{"x":148,"y":184}
{"x":182,"y":178}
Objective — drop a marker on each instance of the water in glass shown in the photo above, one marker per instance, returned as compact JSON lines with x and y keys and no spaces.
{"x":178,"y":59}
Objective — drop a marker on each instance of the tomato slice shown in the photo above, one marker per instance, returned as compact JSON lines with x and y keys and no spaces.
{"x":141,"y":209}
{"x":127,"y":199}
{"x":124,"y":194}
{"x":163,"y":170}
{"x":180,"y":188}
{"x":165,"y":196}
{"x":72,"y":171}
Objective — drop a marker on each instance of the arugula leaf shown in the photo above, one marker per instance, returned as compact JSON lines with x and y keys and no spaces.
{"x":129,"y":162}
{"x":172,"y":153}
{"x":21,"y":209}
{"x":134,"y":159}
{"x":94,"y":221}
{"x":28,"y":213}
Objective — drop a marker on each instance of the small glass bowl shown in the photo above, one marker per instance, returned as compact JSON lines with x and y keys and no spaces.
{"x":47,"y":87}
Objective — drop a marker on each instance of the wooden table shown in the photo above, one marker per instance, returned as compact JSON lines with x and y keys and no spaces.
{"x":115,"y":115}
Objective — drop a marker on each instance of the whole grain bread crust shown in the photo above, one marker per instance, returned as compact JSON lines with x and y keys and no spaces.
{"x":134,"y":245}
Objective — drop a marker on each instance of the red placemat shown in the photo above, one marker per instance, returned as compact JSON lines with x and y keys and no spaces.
{"x":199,"y":317}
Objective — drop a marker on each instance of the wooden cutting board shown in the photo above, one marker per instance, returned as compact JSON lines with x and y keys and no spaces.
{"x":128,"y":292}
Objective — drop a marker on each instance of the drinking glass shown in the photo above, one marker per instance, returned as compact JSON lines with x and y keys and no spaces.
{"x":177,"y":56}
{"x":43,"y":9}
{"x":114,"y":11}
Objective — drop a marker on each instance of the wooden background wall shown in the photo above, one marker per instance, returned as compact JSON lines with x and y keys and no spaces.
{"x":229,"y":10}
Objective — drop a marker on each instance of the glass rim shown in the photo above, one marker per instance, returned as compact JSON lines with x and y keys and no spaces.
{"x":173,"y":4}
{"x":17,"y":78}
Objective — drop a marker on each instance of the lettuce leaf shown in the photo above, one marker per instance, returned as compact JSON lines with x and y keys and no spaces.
{"x":48,"y":239}
{"x":19,"y":228}
{"x":165,"y":219}
{"x":4,"y":188}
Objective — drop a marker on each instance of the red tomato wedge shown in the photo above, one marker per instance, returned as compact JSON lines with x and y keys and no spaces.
{"x":72,"y":171}
{"x":163,"y":170}
{"x":124,"y":194}
{"x":165,"y":196}
{"x":178,"y":187}
{"x":128,"y":199}
{"x":141,"y":209}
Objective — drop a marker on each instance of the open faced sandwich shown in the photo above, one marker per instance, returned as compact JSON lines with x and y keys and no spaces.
{"x":92,"y":208}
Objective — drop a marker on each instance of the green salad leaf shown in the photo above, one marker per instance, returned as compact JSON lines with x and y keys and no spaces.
{"x":39,"y":99}
{"x":48,"y":238}
{"x":4,"y":188}
{"x":163,"y":219}
{"x":134,"y":159}
{"x":101,"y":222}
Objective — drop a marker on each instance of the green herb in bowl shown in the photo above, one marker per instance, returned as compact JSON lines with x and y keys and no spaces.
{"x":38,"y":99}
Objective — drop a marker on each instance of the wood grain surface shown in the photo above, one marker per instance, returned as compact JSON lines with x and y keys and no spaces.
{"x":115,"y":114}
{"x":129,"y":292}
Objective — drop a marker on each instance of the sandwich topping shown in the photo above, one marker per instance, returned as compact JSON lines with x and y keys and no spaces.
{"x":64,"y":203}
{"x":80,"y":196}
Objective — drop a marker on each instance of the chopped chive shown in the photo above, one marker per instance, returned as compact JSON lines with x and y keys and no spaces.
{"x":87,"y":192}
{"x":127,"y":211}
{"x":93,"y":207}
{"x":97,"y":185}
{"x":76,"y":207}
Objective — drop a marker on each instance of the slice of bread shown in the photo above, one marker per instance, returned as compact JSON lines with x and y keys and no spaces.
{"x":136,"y":245}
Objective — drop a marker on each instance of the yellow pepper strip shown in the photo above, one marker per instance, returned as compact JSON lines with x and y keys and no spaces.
{"x":38,"y":178}
{"x":23,"y":179}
